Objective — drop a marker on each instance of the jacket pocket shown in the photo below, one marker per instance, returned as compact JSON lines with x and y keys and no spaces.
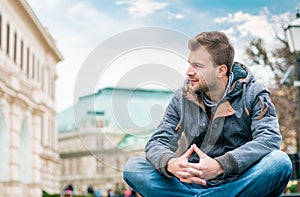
{"x":236,"y":133}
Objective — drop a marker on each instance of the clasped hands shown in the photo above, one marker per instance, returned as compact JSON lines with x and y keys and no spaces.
{"x":207,"y":168}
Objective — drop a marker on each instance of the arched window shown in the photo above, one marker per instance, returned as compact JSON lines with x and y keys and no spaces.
{"x":4,"y":147}
{"x":25,"y":153}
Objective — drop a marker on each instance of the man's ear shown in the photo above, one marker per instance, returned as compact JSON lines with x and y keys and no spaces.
{"x":222,"y":69}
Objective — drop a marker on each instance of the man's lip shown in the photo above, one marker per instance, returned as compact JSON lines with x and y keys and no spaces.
{"x":193,"y":80}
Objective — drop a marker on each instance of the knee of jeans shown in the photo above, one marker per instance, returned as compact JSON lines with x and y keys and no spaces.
{"x":132,"y":168}
{"x":133,"y":164}
{"x":137,"y":165}
{"x":283,"y":162}
{"x":128,"y":168}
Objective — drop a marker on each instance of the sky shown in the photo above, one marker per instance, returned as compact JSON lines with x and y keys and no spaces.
{"x":126,"y":42}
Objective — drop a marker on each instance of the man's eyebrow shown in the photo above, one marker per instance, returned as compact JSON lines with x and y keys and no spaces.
{"x":198,"y":63}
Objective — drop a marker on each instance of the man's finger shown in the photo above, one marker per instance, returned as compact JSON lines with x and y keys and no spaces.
{"x":188,"y":153}
{"x":198,"y":180}
{"x":194,"y":180}
{"x":191,"y":165}
{"x":192,"y":170}
{"x":198,"y":151}
{"x":184,"y":175}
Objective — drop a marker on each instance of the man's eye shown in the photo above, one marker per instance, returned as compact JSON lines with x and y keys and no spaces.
{"x":197,"y":65}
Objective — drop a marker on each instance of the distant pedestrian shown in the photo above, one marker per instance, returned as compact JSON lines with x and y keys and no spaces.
{"x":110,"y":193}
{"x":127,"y":193}
{"x":90,"y":191}
{"x":69,"y":189}
{"x":98,"y":193}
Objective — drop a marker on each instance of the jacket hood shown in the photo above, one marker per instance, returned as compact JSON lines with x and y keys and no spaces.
{"x":240,"y":71}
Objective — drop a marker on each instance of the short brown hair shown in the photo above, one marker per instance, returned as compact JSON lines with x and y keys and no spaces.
{"x":218,"y":46}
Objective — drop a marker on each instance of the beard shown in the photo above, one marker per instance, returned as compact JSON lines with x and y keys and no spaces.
{"x":199,"y":87}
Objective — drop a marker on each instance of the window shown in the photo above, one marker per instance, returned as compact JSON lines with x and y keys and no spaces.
{"x":43,"y":131}
{"x":28,"y":61}
{"x":78,"y":165}
{"x":52,"y":88}
{"x":100,"y":167}
{"x":49,"y":142}
{"x":38,"y":67}
{"x":15,"y":47}
{"x":33,"y":67}
{"x":49,"y":84}
{"x":118,"y":164}
{"x":100,"y":142}
{"x":71,"y":166}
{"x":63,"y":167}
{"x":0,"y":31}
{"x":21,"y":55}
{"x":7,"y":38}
{"x":43,"y":79}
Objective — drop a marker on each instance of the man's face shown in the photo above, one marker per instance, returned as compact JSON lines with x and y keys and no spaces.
{"x":201,"y":72}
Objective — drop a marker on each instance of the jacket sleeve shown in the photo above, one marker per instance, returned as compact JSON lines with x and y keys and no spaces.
{"x":266,"y":137}
{"x":163,"y":143}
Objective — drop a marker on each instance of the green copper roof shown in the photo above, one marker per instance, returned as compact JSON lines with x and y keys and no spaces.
{"x":135,"y":140}
{"x":134,"y":110}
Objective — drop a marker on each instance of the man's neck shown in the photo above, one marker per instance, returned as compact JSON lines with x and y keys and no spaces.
{"x":218,"y":92}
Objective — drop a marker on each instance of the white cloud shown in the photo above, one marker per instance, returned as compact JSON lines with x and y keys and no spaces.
{"x":244,"y":26}
{"x":172,"y":16}
{"x":77,"y":7}
{"x":179,"y":16}
{"x":233,"y":18}
{"x":264,"y":25}
{"x":142,"y":8}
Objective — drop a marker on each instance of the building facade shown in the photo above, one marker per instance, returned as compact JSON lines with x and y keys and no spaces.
{"x":29,"y":156}
{"x":101,"y":131}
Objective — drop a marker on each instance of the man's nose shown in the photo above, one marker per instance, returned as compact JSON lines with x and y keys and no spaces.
{"x":190,"y":71}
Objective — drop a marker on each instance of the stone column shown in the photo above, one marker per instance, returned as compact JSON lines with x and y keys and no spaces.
{"x":36,"y":151}
{"x":13,"y":188}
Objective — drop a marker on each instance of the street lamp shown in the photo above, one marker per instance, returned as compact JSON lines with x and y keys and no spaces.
{"x":292,"y":32}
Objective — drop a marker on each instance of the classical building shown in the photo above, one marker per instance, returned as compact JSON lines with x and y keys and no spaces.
{"x":29,"y":156}
{"x":101,"y":131}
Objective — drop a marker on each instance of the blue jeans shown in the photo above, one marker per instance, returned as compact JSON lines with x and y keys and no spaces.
{"x":268,"y":177}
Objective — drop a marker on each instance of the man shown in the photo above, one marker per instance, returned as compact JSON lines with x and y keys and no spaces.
{"x":219,"y":136}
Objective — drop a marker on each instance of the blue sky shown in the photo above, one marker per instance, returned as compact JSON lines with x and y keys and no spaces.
{"x":79,"y":26}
